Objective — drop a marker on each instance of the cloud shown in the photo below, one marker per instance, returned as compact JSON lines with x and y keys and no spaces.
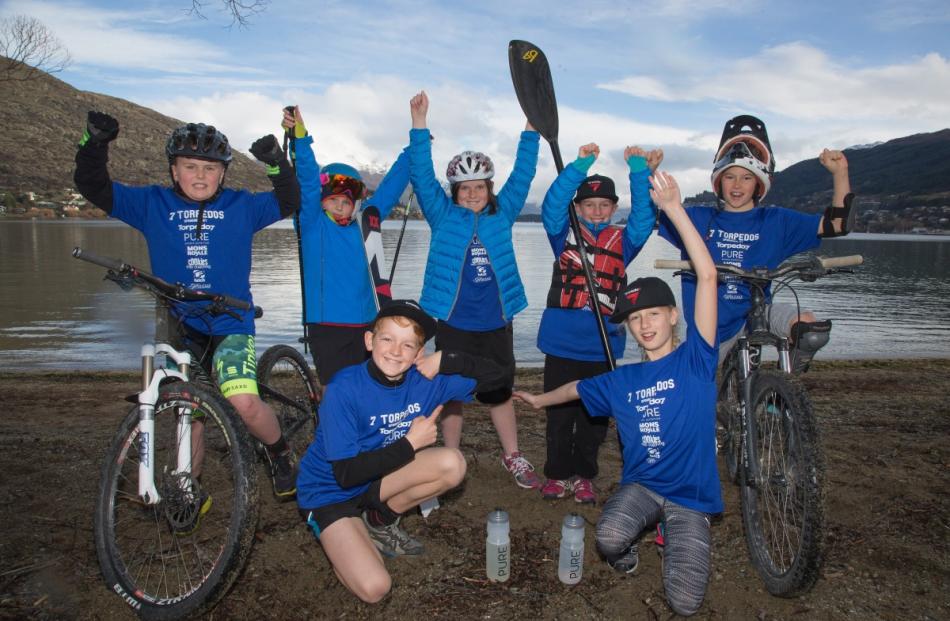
{"x":799,"y":81}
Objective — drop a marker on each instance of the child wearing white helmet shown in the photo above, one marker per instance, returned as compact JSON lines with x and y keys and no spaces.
{"x":472,"y":285}
{"x":739,"y":232}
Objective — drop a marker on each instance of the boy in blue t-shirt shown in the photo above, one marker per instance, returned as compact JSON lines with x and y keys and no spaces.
{"x":737,"y":233}
{"x":372,"y":458}
{"x":200,"y":233}
{"x":665,"y":409}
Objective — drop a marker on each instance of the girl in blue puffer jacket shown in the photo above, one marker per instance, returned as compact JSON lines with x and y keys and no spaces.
{"x":471,"y":284}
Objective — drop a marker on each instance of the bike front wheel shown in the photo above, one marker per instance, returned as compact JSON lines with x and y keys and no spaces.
{"x":781,"y":487}
{"x":178,"y":556}
{"x":287,"y":384}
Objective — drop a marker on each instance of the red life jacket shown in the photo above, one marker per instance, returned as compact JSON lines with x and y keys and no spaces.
{"x":568,"y":289}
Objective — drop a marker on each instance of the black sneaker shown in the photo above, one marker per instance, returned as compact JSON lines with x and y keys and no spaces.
{"x":627,"y":561}
{"x":283,"y":474}
{"x":391,"y":540}
{"x":185,"y":517}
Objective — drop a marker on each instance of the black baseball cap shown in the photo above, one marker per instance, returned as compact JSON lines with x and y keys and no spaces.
{"x":409,"y":309}
{"x":596,"y":186}
{"x":642,"y":293}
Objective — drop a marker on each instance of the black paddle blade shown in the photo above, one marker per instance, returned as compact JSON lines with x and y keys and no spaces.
{"x":531,"y":76}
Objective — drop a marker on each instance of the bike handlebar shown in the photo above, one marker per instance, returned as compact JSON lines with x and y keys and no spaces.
{"x":177,"y":291}
{"x":826,"y":263}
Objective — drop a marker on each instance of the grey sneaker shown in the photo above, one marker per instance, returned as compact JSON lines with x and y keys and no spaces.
{"x":391,"y":540}
{"x":627,"y":561}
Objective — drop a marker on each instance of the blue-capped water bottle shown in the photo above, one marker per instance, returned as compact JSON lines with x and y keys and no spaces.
{"x":498,"y":547}
{"x":570,"y":564}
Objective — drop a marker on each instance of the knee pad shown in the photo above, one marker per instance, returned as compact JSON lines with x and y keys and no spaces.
{"x":808,"y":338}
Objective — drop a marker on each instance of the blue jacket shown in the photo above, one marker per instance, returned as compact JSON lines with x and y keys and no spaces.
{"x":335,"y":279}
{"x":454,"y":226}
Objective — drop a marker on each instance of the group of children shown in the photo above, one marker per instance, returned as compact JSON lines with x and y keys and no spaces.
{"x":374,"y":455}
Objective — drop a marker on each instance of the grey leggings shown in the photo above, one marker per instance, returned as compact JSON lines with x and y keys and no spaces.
{"x":686,"y":555}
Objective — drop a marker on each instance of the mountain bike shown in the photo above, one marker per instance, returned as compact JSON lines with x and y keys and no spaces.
{"x":177,"y":504}
{"x":768,"y":434}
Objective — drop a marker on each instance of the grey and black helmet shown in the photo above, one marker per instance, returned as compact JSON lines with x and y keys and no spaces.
{"x":198,"y":140}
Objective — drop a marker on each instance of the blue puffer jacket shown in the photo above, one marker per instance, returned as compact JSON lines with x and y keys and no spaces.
{"x":453,"y":227}
{"x":336,"y":282}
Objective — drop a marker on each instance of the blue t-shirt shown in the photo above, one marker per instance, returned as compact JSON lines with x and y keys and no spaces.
{"x":358,"y":414}
{"x":478,"y":307}
{"x":761,"y":237}
{"x":666,"y":417}
{"x":218,"y":259}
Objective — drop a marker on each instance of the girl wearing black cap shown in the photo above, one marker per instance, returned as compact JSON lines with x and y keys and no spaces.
{"x":568,"y":334}
{"x":665,"y":413}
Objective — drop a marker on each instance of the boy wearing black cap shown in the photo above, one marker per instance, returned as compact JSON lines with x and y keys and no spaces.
{"x":568,"y":334}
{"x":372,"y":458}
{"x":665,"y":409}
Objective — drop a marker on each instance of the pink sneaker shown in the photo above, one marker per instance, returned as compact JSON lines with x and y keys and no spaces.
{"x":522,"y":470}
{"x":584,"y":491}
{"x":556,"y":488}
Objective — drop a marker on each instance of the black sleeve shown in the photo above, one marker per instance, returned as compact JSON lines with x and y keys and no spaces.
{"x":92,"y":175}
{"x":487,"y":374}
{"x":287,"y":189}
{"x":373,"y":465}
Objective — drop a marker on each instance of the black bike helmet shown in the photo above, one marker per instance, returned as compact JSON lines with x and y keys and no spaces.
{"x":198,"y":140}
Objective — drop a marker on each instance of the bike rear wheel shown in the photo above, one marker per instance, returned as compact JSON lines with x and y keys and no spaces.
{"x":729,"y":418}
{"x":781,"y":490}
{"x":287,"y":384}
{"x":177,"y":557}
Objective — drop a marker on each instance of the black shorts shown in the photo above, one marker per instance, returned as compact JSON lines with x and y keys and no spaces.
{"x":319,"y":519}
{"x":496,"y":345}
{"x":335,"y":347}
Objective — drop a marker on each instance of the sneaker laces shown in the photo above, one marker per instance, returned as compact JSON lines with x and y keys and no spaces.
{"x":517,"y":464}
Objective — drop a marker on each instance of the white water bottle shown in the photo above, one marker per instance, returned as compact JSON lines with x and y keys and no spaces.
{"x":498,"y":547}
{"x":570,"y":564}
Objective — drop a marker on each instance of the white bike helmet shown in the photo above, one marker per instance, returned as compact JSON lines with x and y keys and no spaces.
{"x":469,"y":166}
{"x":741,"y":153}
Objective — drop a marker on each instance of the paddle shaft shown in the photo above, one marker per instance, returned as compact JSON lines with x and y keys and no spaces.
{"x":405,"y":219}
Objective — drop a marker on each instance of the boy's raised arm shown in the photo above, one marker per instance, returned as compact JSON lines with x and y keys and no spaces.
{"x":838,"y":217}
{"x":281,"y":175}
{"x":92,"y":173}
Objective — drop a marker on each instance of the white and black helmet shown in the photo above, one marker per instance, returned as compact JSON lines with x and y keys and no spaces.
{"x":469,"y":166}
{"x":744,"y":155}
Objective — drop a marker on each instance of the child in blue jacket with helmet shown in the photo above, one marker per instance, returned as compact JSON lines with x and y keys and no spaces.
{"x":339,"y":298}
{"x":472,"y":285}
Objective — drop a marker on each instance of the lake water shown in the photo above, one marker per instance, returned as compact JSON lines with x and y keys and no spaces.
{"x":58,"y":313}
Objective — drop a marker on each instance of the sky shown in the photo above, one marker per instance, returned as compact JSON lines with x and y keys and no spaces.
{"x":662,"y":74}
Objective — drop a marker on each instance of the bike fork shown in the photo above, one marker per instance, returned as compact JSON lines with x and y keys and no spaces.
{"x":148,"y":397}
{"x":747,"y":459}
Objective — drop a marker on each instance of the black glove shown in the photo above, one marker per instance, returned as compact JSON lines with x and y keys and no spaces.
{"x":267,"y":150}
{"x":101,"y":129}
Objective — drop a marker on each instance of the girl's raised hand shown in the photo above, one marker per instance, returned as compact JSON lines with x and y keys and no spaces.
{"x":665,"y":192}
{"x":633,"y":150}
{"x":419,"y":108}
{"x":654,"y":158}
{"x":589,"y":149}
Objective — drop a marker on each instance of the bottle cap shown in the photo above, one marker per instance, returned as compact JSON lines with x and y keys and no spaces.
{"x":573,"y":520}
{"x":498,"y":516}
